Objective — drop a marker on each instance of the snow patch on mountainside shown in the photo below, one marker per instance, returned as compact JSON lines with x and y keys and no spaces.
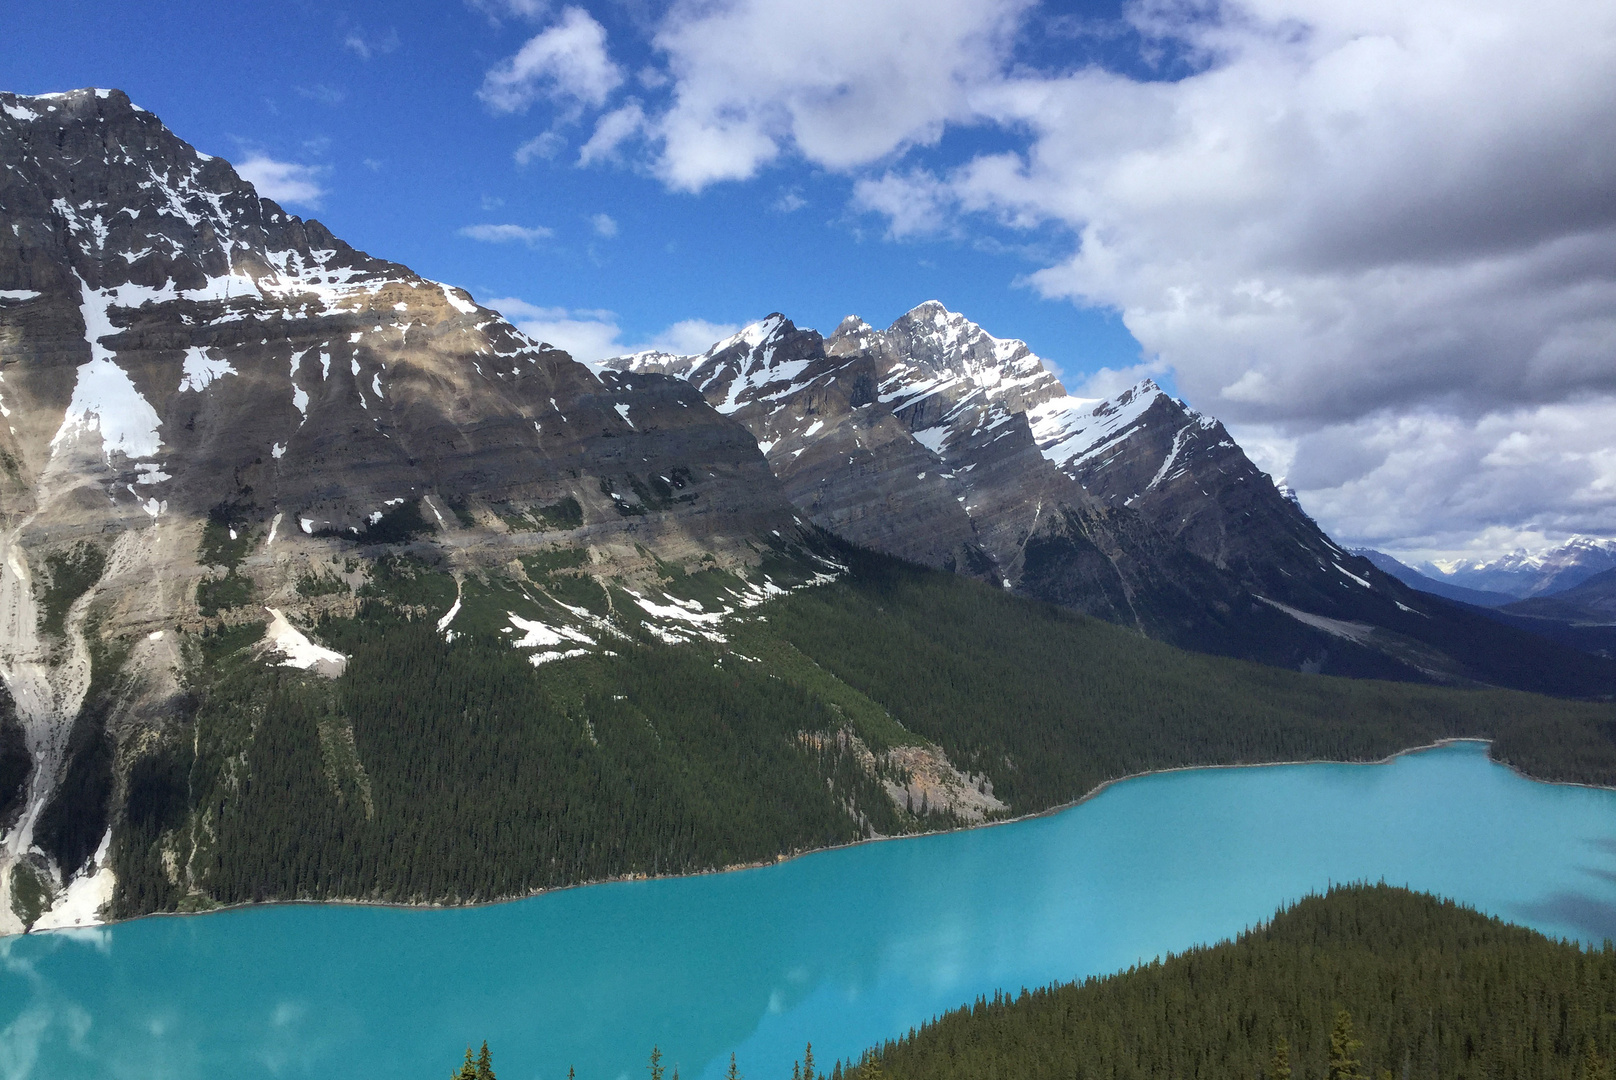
{"x":297,"y":651}
{"x":199,"y":370}
{"x":1072,"y":430}
{"x":86,"y":897}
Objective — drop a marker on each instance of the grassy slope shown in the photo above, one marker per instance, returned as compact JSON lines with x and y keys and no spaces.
{"x":458,"y":771}
{"x":1434,"y":990}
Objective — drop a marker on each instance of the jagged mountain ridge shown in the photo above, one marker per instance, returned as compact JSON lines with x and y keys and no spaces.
{"x":938,"y":442}
{"x":855,"y":427}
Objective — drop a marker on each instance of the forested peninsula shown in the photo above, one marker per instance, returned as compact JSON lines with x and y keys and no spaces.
{"x":1365,"y":981}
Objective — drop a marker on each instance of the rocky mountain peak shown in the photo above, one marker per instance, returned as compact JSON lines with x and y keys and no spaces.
{"x":209,"y":401}
{"x":126,"y":203}
{"x":760,"y":361}
{"x":943,"y":375}
{"x":852,"y":335}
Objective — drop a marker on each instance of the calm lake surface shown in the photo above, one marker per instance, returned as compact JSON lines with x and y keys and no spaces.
{"x":842,"y":948}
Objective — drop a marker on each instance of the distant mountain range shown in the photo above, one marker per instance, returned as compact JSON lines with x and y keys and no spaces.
{"x":1593,"y":600}
{"x":1582,"y":617}
{"x":317,"y":577}
{"x":1436,"y":586}
{"x":1523,"y":574}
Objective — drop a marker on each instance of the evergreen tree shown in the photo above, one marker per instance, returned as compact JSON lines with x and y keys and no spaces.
{"x":1344,"y":1050}
{"x":485,"y":1063}
{"x":656,"y":1068}
{"x":1594,"y":1066}
{"x":808,"y":1063}
{"x":731,"y":1074}
{"x":1281,"y":1067}
{"x":869,"y":1067}
{"x":467,"y":1071}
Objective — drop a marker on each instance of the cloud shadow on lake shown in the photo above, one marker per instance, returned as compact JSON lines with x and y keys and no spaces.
{"x":1593,"y":918}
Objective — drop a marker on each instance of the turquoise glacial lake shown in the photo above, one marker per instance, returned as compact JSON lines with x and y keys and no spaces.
{"x":842,"y":947}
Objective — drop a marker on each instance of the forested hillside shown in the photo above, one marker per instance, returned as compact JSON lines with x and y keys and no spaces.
{"x":1430,"y":990}
{"x":444,"y":766}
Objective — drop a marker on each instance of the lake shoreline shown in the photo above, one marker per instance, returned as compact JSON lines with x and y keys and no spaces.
{"x":1098,"y":790}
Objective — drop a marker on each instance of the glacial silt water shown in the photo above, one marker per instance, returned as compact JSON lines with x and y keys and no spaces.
{"x":842,"y":947}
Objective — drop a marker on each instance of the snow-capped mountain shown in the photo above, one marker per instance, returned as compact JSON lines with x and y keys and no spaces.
{"x":940,"y":442}
{"x":179,"y":354}
{"x":1526,"y":573}
{"x":936,"y":441}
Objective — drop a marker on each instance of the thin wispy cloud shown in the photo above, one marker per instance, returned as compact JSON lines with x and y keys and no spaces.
{"x":366,"y":46}
{"x":541,"y":147}
{"x":594,"y":335}
{"x":531,"y":235}
{"x":499,"y":10}
{"x":612,"y":132}
{"x":325,"y":95}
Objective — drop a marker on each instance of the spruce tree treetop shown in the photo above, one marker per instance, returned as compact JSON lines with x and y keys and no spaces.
{"x":1280,"y":1069}
{"x":485,"y":1063}
{"x":1344,"y":1050}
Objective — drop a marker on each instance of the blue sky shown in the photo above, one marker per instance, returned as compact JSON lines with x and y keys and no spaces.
{"x":380,"y":102}
{"x":1372,"y":236}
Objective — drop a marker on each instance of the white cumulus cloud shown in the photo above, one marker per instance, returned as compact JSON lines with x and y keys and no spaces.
{"x":566,"y":62}
{"x":283,"y":181}
{"x":1376,"y":236}
{"x":592,"y":335}
{"x":612,"y":131}
{"x":843,"y":82}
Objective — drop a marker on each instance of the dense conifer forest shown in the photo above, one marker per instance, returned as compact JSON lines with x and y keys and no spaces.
{"x":1051,"y":703}
{"x":454,"y":771}
{"x":1367,"y":981}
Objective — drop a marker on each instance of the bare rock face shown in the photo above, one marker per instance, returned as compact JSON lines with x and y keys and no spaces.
{"x":917,"y":440}
{"x":176,"y":350}
{"x":844,"y":459}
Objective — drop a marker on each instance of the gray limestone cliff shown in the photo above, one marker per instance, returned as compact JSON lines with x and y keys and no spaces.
{"x":204,"y":399}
